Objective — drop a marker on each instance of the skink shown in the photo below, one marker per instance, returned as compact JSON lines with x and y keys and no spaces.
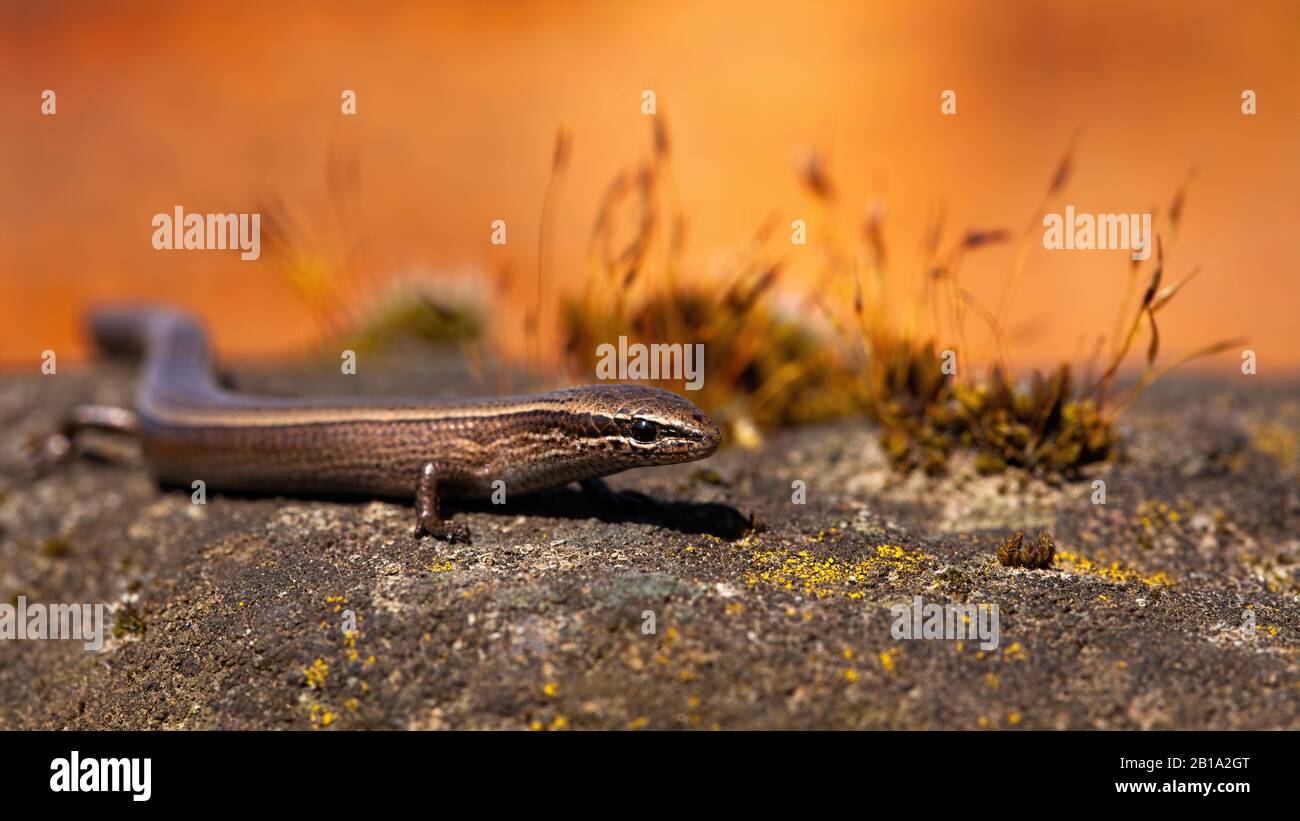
{"x":192,"y":429}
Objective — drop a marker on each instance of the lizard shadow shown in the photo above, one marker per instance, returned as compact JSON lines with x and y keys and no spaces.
{"x":723,"y":521}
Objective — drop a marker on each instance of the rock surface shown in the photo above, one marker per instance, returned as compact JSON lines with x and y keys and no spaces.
{"x":565,"y":614}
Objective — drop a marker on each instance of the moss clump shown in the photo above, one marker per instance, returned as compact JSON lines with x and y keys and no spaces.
{"x":1039,"y":427}
{"x":765,"y":370}
{"x":417,"y":319}
{"x":56,"y":548}
{"x":758,"y":366}
{"x":1015,"y":551}
{"x":128,"y":620}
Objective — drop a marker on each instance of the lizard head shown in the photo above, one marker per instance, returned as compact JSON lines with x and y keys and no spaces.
{"x":637,"y":425}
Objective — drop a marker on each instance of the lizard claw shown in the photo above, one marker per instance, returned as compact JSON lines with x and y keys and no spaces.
{"x":443,"y":529}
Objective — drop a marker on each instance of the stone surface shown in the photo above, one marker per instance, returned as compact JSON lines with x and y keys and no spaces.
{"x":231,"y":614}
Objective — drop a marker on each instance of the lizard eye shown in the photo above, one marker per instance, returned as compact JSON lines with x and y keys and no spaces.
{"x":644,"y":431}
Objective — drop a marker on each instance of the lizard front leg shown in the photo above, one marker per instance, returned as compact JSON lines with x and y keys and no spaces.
{"x":428,"y":515}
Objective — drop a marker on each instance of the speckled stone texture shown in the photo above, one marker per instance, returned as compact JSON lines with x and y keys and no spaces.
{"x":563,"y":614}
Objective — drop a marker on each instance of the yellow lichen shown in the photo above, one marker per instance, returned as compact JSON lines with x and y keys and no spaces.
{"x":827,"y":576}
{"x":316,"y":674}
{"x":320,"y":715}
{"x":889,"y":659}
{"x":1276,"y":440}
{"x":1114,"y":572}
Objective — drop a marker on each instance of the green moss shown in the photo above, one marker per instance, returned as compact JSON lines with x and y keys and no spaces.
{"x":128,"y":620}
{"x":417,"y":319}
{"x":758,"y":366}
{"x":708,"y":476}
{"x":1039,"y":427}
{"x":56,"y":548}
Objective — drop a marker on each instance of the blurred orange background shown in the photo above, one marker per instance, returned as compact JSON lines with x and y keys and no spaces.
{"x":217,"y":106}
